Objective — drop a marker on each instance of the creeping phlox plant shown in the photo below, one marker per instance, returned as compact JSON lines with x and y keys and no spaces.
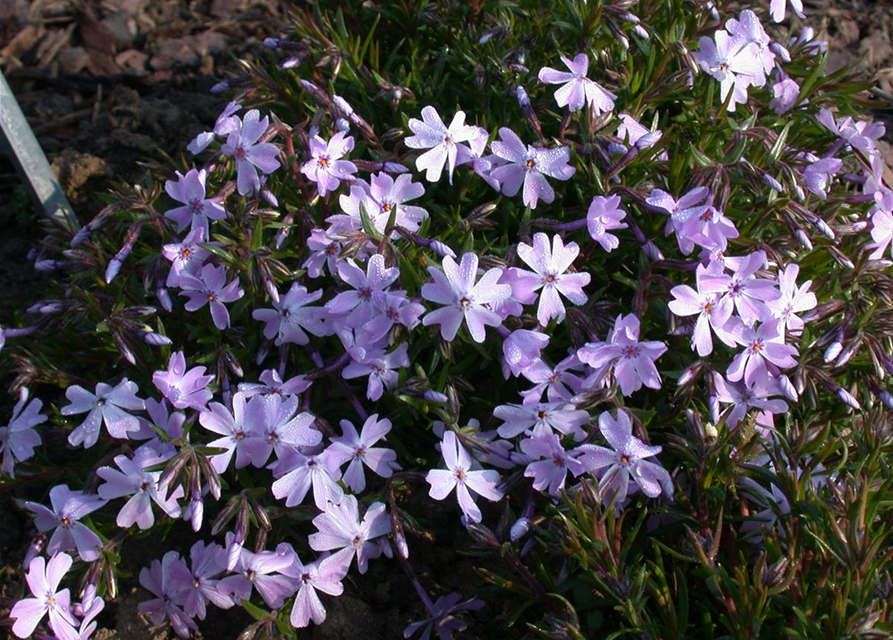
{"x":597,"y":290}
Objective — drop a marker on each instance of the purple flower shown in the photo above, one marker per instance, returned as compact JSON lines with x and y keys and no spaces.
{"x":633,"y":361}
{"x":299,"y":472}
{"x":442,"y":141}
{"x":159,"y":580}
{"x":358,"y":305}
{"x":133,"y":480}
{"x":107,"y":405}
{"x":339,"y":527}
{"x":246,"y":419}
{"x":290,"y":318}
{"x":638,"y":136}
{"x":550,"y":264}
{"x":43,"y":580}
{"x":860,"y":135}
{"x":184,"y":389}
{"x":793,"y":300}
{"x":817,"y":175}
{"x":747,"y":29}
{"x":558,"y":383}
{"x":391,"y":307}
{"x":713,"y":311}
{"x":736,"y":65}
{"x":324,"y":574}
{"x":359,"y":450}
{"x":381,"y":368}
{"x":761,"y":346}
{"x":270,"y":382}
{"x":529,"y":167}
{"x":460,"y":476}
{"x":68,"y":507}
{"x":785,"y":93}
{"x":187,"y":257}
{"x":605,"y":215}
{"x":743,"y":397}
{"x":389,"y":194}
{"x":455,"y":286}
{"x":881,"y":233}
{"x":551,"y":463}
{"x":264,"y":571}
{"x":325,"y":246}
{"x":249,"y":155}
{"x":541,"y":419}
{"x":443,"y":617}
{"x":625,"y":460}
{"x":521,"y":350}
{"x":18,"y":438}
{"x":577,"y":89}
{"x":224,"y":125}
{"x":749,"y":293}
{"x":170,"y":424}
{"x":210,"y":287}
{"x":326,"y":168}
{"x":197,"y":210}
{"x":198,"y":585}
{"x":777,"y":8}
{"x":688,"y":206}
{"x":280,"y":429}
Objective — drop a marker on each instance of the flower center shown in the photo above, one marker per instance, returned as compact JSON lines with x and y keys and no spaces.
{"x":144,"y":486}
{"x":360,"y":452}
{"x":252,"y":575}
{"x":550,"y":278}
{"x":624,"y":459}
{"x":708,"y":308}
{"x":357,"y":541}
{"x":185,"y":253}
{"x":305,"y":578}
{"x":541,"y":415}
{"x":211,"y":297}
{"x":386,"y":207}
{"x":331,"y":249}
{"x":240,"y":153}
{"x":195,"y":206}
{"x":365,"y":293}
{"x":323,"y":162}
{"x":464,"y":302}
{"x":448,"y":140}
{"x":460,"y":474}
{"x":239,"y":435}
{"x":530,"y":163}
{"x":50,"y":601}
{"x":757,"y":346}
{"x":558,"y":460}
{"x":631,"y":351}
{"x":66,"y":521}
{"x":723,"y":67}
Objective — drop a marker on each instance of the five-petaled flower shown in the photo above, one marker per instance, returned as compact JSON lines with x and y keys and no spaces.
{"x":577,"y":90}
{"x":461,"y":475}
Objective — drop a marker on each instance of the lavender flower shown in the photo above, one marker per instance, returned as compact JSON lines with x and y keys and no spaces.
{"x":551,"y":463}
{"x":713,"y":311}
{"x":381,"y":367}
{"x":541,"y":419}
{"x":785,"y":93}
{"x":184,"y":389}
{"x":763,"y":346}
{"x":442,"y":141}
{"x":43,"y":581}
{"x":301,"y":471}
{"x":577,"y":89}
{"x":210,"y":287}
{"x":270,"y":382}
{"x":160,"y":580}
{"x":455,"y":286}
{"x":249,"y":154}
{"x":633,"y":361}
{"x":199,"y":585}
{"x":281,"y":428}
{"x":68,"y":507}
{"x":749,"y":293}
{"x":18,"y":438}
{"x":325,"y":246}
{"x":358,"y":306}
{"x":359,"y":450}
{"x":133,"y":480}
{"x":290,"y":318}
{"x":460,"y":476}
{"x":389,"y":195}
{"x":744,"y":396}
{"x":107,"y":406}
{"x":325,"y":574}
{"x":777,"y":8}
{"x":625,"y":460}
{"x":187,"y":257}
{"x":264,"y":571}
{"x":391,"y":307}
{"x":794,"y":299}
{"x":735,"y":64}
{"x":224,"y":125}
{"x":197,"y":210}
{"x":558,"y":383}
{"x":550,"y":263}
{"x":605,"y":215}
{"x":443,"y":617}
{"x":246,"y":419}
{"x":326,"y":168}
{"x":521,"y":350}
{"x":529,"y":167}
{"x":859,"y":135}
{"x":339,"y":527}
{"x":817,"y":175}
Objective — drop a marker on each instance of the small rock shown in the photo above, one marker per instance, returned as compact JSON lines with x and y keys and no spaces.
{"x":225,"y":8}
{"x":122,"y":27}
{"x":848,"y":31}
{"x":74,"y":170}
{"x":174,"y":52}
{"x":23,"y":42}
{"x":877,"y":46}
{"x":133,"y":61}
{"x":347,"y":618}
{"x":94,"y":34}
{"x":73,"y":60}
{"x":208,"y":42}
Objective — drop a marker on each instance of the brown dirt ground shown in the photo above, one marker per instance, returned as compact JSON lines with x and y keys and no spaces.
{"x":106,"y":84}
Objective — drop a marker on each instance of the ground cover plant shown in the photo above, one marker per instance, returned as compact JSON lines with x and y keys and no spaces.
{"x":605,"y":283}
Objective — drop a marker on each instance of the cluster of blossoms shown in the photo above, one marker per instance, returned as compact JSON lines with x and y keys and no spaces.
{"x":172,"y":456}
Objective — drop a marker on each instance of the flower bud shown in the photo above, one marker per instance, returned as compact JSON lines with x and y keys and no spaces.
{"x":847,"y":398}
{"x":773,"y":183}
{"x":435,"y":396}
{"x":787,"y":388}
{"x":155,"y":339}
{"x":833,"y":351}
{"x":519,"y":529}
{"x":441,"y":249}
{"x":781,"y":51}
{"x":642,"y":32}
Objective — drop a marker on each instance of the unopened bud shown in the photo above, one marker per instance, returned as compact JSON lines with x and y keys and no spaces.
{"x":773,"y":183}
{"x":519,"y":529}
{"x":787,"y":388}
{"x":155,"y":339}
{"x":847,"y":398}
{"x":435,"y":396}
{"x":833,"y":351}
{"x":441,"y":249}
